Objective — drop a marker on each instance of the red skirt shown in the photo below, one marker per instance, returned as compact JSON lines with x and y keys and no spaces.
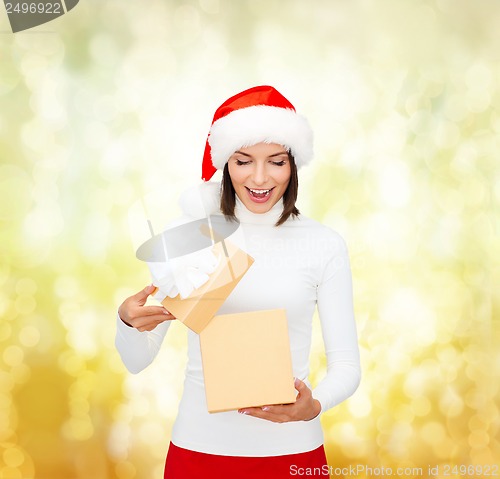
{"x":185,"y":464}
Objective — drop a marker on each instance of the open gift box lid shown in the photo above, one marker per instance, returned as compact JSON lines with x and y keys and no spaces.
{"x":197,"y":310}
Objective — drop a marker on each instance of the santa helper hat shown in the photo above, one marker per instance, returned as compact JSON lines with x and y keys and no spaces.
{"x":260,"y":114}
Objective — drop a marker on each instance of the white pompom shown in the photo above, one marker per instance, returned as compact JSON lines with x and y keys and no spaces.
{"x":201,"y":200}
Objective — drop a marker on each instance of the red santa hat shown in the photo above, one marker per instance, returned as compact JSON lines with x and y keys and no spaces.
{"x":260,"y":114}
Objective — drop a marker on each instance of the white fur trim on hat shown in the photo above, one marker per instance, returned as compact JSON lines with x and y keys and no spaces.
{"x":261,"y":123}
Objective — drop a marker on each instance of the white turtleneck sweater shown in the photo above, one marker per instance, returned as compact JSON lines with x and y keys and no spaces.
{"x":298,"y":266}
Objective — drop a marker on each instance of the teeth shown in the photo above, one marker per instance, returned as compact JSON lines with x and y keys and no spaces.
{"x":259,"y":192}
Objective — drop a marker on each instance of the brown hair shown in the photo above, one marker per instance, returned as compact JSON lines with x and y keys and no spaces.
{"x":228,"y":195}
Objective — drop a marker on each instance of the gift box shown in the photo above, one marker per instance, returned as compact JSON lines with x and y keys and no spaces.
{"x":197,"y":309}
{"x":247,"y":360}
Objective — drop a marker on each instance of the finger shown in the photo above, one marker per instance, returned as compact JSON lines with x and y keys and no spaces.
{"x":132,"y":314}
{"x":150,"y":322}
{"x":274,"y":409}
{"x":299,"y":385}
{"x":302,"y":388}
{"x":267,"y":415}
{"x":278,"y":410}
{"x":149,"y":325}
{"x":142,"y":295}
{"x":255,"y":410}
{"x":151,"y":311}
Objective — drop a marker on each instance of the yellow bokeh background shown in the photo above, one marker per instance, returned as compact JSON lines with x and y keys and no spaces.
{"x":114,"y":100}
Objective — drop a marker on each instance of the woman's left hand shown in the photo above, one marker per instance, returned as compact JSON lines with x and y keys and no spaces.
{"x":304,"y":408}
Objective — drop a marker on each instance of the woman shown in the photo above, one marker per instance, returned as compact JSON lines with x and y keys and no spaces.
{"x":259,"y":142}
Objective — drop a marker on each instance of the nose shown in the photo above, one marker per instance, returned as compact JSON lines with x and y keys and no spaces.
{"x":259,"y":173}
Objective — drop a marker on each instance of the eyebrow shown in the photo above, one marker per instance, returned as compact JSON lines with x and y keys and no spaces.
{"x":270,"y":156}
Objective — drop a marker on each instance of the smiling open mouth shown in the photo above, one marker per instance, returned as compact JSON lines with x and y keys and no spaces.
{"x":258,"y":193}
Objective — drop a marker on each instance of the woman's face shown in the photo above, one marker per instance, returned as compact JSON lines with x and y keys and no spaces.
{"x":260,"y":175}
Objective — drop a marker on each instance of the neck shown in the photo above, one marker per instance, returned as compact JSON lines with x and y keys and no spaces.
{"x":271,"y":217}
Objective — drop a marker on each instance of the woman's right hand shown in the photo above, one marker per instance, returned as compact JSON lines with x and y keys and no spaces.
{"x":144,"y":318}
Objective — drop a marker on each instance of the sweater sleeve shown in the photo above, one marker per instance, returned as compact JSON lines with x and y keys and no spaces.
{"x":138,"y":349}
{"x":335,"y":308}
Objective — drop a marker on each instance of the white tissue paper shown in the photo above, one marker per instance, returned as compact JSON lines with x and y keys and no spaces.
{"x":184,"y":274}
{"x":201,"y":200}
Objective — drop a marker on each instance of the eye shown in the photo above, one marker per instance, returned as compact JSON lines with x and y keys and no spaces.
{"x":240,"y":162}
{"x":279,"y":163}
